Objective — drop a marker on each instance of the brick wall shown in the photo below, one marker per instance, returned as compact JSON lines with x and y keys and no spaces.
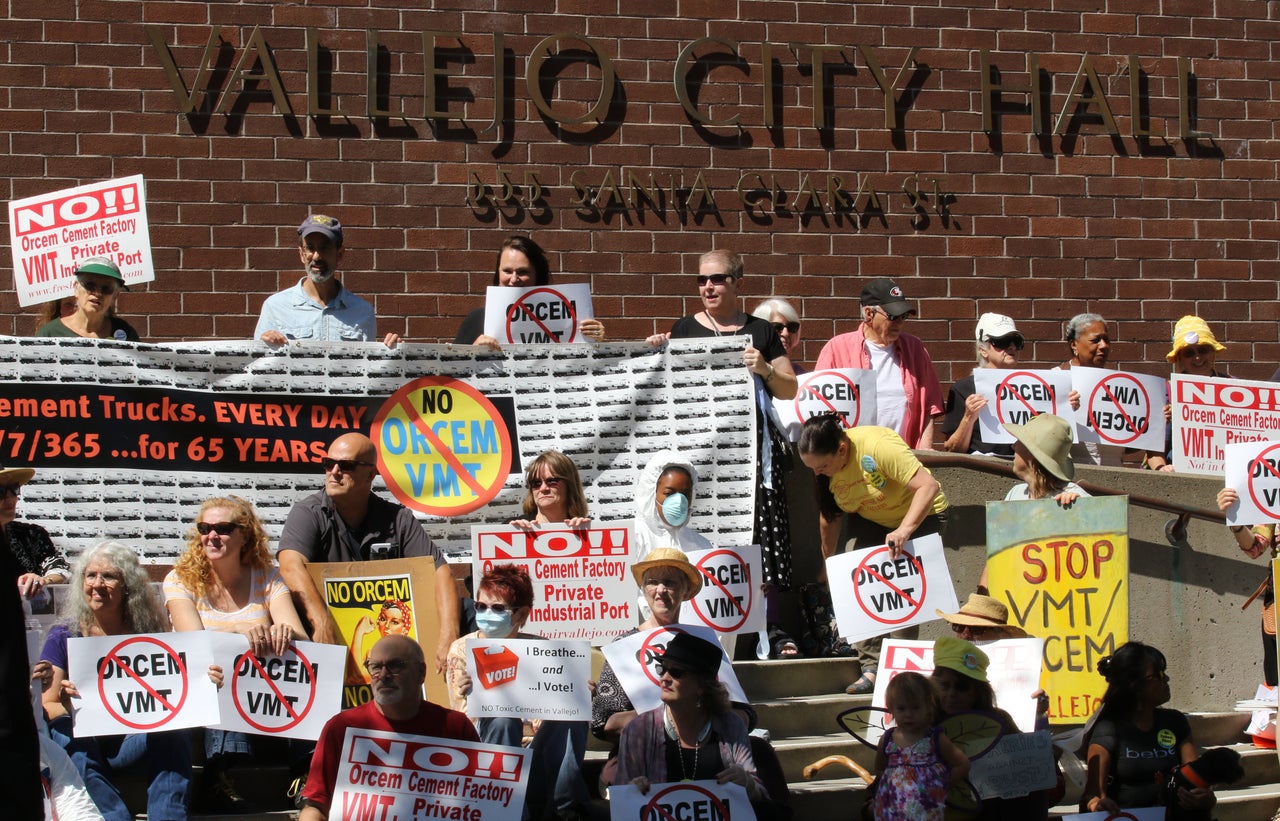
{"x":1039,"y":226}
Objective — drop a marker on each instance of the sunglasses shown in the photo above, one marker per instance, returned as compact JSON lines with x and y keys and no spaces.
{"x":1006,"y":342}
{"x":974,"y":630}
{"x":106,"y":289}
{"x":221,"y":528}
{"x":344,"y":465}
{"x":552,"y":482}
{"x":499,"y":609}
{"x":10,"y":490}
{"x":789,"y":327}
{"x":676,"y":673}
{"x":1196,"y":350}
{"x":714,"y":279}
{"x":893,"y":317}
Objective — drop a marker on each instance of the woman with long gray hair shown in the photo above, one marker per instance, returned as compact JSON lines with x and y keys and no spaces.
{"x":110,"y":596}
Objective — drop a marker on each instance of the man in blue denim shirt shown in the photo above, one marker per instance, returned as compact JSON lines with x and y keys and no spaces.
{"x":318,"y":308}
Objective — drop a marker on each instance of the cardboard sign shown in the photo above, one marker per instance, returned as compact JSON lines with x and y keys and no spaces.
{"x":850,"y":392}
{"x":582,"y":585}
{"x":142,"y":683}
{"x":1209,"y":414}
{"x":683,"y":801}
{"x":874,"y":594}
{"x":1014,"y":396}
{"x":50,"y":234}
{"x":634,"y":660}
{"x":537,"y":315}
{"x":1019,"y":764}
{"x":292,"y":695}
{"x":1064,"y":575}
{"x":1014,"y":672}
{"x":528,"y":678}
{"x":1252,"y":469}
{"x":396,"y":775}
{"x":1120,"y":408}
{"x":731,"y":599}
{"x":367,"y":601}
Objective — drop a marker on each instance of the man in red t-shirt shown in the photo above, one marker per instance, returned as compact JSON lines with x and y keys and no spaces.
{"x":397,"y":668}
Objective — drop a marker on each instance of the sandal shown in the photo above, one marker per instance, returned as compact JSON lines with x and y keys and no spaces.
{"x":865,"y":684}
{"x":781,"y":645}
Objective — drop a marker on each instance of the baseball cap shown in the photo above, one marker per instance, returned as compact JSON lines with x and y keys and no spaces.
{"x":996,"y":326}
{"x":321,"y":224}
{"x":886,"y":293}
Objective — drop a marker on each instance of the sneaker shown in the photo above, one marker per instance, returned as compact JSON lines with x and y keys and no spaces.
{"x":225,"y":798}
{"x":294,"y":793}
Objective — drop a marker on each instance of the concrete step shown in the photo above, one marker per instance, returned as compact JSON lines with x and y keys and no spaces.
{"x":804,"y":715}
{"x":764,"y":680}
{"x":829,"y":798}
{"x":1258,"y":803}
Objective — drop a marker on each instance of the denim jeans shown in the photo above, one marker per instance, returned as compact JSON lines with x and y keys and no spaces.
{"x":556,"y":764}
{"x":164,"y":757}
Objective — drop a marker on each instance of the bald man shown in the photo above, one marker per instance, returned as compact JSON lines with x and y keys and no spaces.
{"x":342,"y":523}
{"x":397,"y":667}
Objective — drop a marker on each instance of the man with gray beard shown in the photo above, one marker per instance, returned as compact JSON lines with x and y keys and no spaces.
{"x":319,"y":308}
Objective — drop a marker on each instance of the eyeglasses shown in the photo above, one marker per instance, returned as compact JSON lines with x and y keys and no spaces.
{"x":10,"y":490}
{"x":972,"y":629}
{"x":671,"y":583}
{"x":789,"y":327}
{"x":714,"y":279}
{"x":104,"y":288}
{"x":1192,"y":351}
{"x":109,"y":579}
{"x":552,"y":482}
{"x":497,"y":609}
{"x":343,"y":465}
{"x":893,"y":317}
{"x":390,"y":668}
{"x":676,"y":673}
{"x":1006,"y":342}
{"x":221,"y":528}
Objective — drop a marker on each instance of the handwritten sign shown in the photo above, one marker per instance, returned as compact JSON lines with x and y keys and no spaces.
{"x":537,"y":315}
{"x":683,"y":801}
{"x":50,"y":234}
{"x":1013,"y":397}
{"x":397,"y":775}
{"x":290,"y":695}
{"x":850,"y":392}
{"x":528,"y":678}
{"x":582,"y":585}
{"x":1019,"y":764}
{"x":634,"y":660}
{"x":142,"y":683}
{"x":874,"y":593}
{"x":1120,"y":408}
{"x":1132,"y":814}
{"x":1064,"y":575}
{"x":731,"y":599}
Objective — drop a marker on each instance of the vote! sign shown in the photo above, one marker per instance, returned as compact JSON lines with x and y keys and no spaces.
{"x":443,"y":447}
{"x":540,"y":314}
{"x":50,"y":234}
{"x":1120,"y":408}
{"x":731,"y":600}
{"x":1253,"y":470}
{"x":1013,"y":397}
{"x":874,"y":593}
{"x":683,"y":801}
{"x":529,"y":679}
{"x":581,"y":578}
{"x":290,"y":695}
{"x":850,"y":392}
{"x":635,"y":658}
{"x":142,"y":683}
{"x":396,"y":775}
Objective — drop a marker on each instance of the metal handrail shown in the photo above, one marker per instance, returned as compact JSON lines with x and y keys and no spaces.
{"x":1176,"y":530}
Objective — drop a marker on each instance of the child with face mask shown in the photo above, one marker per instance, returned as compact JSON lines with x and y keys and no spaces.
{"x":664,"y":494}
{"x":504,"y":600}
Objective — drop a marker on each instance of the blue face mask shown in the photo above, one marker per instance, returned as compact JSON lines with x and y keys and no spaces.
{"x":675,"y":509}
{"x":494,"y":625}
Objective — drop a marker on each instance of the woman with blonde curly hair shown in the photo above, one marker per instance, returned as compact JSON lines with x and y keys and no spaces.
{"x":225,"y":581}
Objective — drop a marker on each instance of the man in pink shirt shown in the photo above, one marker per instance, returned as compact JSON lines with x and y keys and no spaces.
{"x":908,"y":394}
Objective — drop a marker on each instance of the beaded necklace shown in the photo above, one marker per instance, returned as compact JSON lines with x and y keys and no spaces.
{"x":669,"y":725}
